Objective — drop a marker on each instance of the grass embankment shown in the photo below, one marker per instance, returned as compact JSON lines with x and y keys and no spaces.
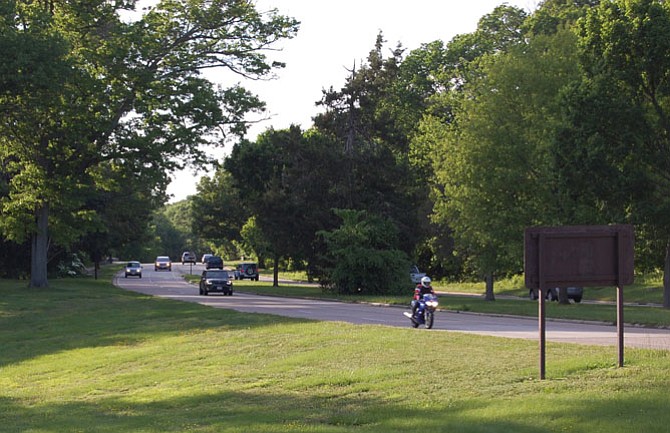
{"x":83,"y":356}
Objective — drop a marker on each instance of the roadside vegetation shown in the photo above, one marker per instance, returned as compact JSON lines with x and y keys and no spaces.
{"x":86,"y":356}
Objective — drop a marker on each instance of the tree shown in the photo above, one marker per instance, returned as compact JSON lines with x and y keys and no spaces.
{"x":260,"y":171}
{"x":370,"y":117}
{"x":253,"y":238}
{"x":493,"y":164}
{"x":119,"y":220}
{"x":625,"y":50}
{"x":362,"y":256}
{"x":218,"y":212}
{"x":443,"y":70}
{"x":554,"y":15}
{"x":84,"y":88}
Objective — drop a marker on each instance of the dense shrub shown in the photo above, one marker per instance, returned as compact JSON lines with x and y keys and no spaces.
{"x":362,"y":256}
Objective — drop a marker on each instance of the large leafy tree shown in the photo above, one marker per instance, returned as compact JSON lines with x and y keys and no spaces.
{"x":625,"y":48}
{"x":84,"y":88}
{"x":493,"y":163}
{"x":218,"y":211}
{"x":445,"y":69}
{"x":372,"y":118}
{"x":287,"y":180}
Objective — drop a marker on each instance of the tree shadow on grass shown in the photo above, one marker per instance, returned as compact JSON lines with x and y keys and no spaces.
{"x":86,"y":314}
{"x":254,"y":412}
{"x":240,"y":412}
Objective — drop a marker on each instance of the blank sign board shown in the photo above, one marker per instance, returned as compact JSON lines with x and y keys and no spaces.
{"x":579,"y":256}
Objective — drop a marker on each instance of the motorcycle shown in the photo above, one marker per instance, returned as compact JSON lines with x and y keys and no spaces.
{"x":425,"y":312}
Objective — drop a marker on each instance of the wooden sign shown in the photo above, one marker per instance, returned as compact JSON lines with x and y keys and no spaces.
{"x":579,"y":256}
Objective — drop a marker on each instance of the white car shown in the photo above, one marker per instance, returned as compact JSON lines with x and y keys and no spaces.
{"x":187,"y":257}
{"x":415,"y":275}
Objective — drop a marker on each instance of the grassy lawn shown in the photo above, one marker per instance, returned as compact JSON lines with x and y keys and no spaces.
{"x":83,"y":356}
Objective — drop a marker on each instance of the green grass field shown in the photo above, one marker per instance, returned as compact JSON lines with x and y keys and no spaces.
{"x":83,"y":356}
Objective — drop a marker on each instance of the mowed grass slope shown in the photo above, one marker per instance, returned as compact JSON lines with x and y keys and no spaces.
{"x":83,"y":356}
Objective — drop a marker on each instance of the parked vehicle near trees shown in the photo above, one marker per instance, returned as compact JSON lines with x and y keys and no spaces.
{"x":415,"y":275}
{"x":246,"y":270}
{"x":574,"y":293}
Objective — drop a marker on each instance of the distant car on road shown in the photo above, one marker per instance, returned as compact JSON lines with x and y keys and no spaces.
{"x":205,"y":257}
{"x":246,"y":270}
{"x":415,"y":275}
{"x":163,"y":262}
{"x":187,"y":257}
{"x":214,"y":262}
{"x":216,"y":280}
{"x":133,"y":269}
{"x":574,"y":293}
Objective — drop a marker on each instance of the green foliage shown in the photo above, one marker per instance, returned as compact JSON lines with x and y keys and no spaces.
{"x":217,"y":213}
{"x":85,"y":91}
{"x":493,"y":167}
{"x":625,"y":52}
{"x":372,"y":119}
{"x":363,"y":256}
{"x":554,"y":15}
{"x":287,"y":179}
{"x":169,"y":239}
{"x":71,"y":266}
{"x":253,"y":239}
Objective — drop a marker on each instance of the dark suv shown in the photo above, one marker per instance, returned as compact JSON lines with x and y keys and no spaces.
{"x":246,"y":270}
{"x":216,"y":280}
{"x":214,"y":262}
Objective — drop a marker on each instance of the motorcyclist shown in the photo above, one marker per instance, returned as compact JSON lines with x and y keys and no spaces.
{"x":424,"y":287}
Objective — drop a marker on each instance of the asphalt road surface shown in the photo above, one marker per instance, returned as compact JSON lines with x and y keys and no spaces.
{"x":171,"y":285}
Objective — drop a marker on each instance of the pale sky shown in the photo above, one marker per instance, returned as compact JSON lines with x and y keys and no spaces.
{"x":335,"y":34}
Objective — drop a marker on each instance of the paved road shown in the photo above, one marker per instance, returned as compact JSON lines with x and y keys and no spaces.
{"x":171,"y":285}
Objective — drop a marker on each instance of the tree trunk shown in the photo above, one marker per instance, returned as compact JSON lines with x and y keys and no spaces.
{"x":275,"y":277}
{"x":40,"y":246}
{"x":489,"y":287}
{"x":563,"y":295}
{"x":666,"y":277}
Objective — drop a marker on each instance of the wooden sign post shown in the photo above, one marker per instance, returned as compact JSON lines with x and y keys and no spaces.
{"x":578,"y":256}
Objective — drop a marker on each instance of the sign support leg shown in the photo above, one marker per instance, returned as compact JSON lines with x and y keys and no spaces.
{"x":619,"y":321}
{"x":542,"y":325}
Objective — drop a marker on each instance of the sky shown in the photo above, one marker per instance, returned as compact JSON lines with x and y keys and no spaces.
{"x":334,"y":35}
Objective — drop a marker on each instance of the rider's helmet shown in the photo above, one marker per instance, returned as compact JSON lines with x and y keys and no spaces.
{"x":425,"y":282}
